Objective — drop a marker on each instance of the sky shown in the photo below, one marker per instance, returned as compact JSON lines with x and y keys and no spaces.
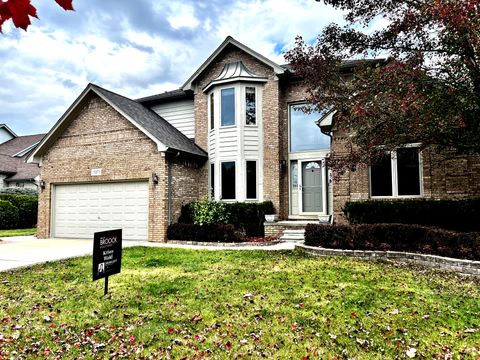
{"x":135,"y":48}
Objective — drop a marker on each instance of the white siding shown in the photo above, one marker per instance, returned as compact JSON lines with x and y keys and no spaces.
{"x":5,"y":135}
{"x":228,"y":143}
{"x":180,"y":114}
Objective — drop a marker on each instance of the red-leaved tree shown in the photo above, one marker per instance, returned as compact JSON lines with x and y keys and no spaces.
{"x":427,"y":90}
{"x":20,"y":11}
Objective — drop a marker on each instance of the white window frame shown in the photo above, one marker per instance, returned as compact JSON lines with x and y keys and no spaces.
{"x":289,"y":114}
{"x":236,"y":105}
{"x":394,"y":176}
{"x":256,"y":180}
{"x":220,"y":187}
{"x":244,"y":105}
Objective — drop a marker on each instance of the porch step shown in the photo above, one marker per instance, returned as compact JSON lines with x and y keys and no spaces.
{"x":293,"y":235}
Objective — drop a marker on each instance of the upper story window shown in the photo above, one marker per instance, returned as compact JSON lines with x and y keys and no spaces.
{"x":305,"y":135}
{"x":250,"y":106}
{"x":227,"y":100}
{"x":212,"y":111}
{"x":398,"y":174}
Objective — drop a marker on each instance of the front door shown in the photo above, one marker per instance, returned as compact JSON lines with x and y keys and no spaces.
{"x":308,"y":187}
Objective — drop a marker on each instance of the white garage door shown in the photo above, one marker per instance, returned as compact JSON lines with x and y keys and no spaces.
{"x":80,"y":210}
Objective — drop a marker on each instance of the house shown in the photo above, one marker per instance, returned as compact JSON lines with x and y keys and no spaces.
{"x":234,"y":131}
{"x":14,"y":150}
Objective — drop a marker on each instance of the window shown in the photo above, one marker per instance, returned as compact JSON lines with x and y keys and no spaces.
{"x":212,"y":181}
{"x":250,"y":106}
{"x":228,"y":107}
{"x":251,"y":172}
{"x":212,"y":112}
{"x":228,"y":180}
{"x":397,"y":174}
{"x":305,"y":135}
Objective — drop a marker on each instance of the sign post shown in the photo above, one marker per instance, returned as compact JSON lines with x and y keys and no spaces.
{"x":107,"y":255}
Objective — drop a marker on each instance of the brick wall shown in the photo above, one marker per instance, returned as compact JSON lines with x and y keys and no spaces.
{"x":271,"y":128}
{"x":99,"y":137}
{"x":445,"y":176}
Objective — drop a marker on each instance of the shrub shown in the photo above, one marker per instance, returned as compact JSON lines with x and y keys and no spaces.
{"x":27,"y":206}
{"x":395,"y":237}
{"x":458,"y":215}
{"x":205,"y":233}
{"x":206,"y":212}
{"x":8,"y":215}
{"x":19,"y":191}
{"x":246,"y":217}
{"x":339,"y":236}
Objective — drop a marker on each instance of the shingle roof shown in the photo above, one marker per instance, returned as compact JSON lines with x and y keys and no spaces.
{"x":157,"y":126}
{"x":16,"y":166}
{"x":172,"y":95}
{"x":15,"y":145}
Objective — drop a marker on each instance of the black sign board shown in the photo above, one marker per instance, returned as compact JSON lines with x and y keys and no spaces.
{"x":107,"y":254}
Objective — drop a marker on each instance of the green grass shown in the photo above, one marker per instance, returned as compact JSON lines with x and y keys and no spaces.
{"x":18,"y":232}
{"x":172,"y":303}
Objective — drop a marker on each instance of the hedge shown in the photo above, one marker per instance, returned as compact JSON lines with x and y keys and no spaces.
{"x":458,"y":215}
{"x":205,"y":233}
{"x":8,"y":215}
{"x":246,"y":217}
{"x":27,"y":206}
{"x":19,"y":191}
{"x":395,"y":237}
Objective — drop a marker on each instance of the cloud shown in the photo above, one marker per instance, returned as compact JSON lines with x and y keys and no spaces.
{"x":137,"y":48}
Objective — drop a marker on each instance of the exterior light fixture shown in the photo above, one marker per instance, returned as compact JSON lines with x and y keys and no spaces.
{"x":155,"y":179}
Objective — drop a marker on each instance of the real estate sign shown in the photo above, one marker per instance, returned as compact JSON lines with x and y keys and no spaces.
{"x":107,"y":253}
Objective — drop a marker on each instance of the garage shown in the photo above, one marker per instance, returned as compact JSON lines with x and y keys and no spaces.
{"x":79,"y":210}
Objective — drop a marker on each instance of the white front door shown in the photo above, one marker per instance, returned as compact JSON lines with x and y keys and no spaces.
{"x":308,"y":187}
{"x":82,"y":209}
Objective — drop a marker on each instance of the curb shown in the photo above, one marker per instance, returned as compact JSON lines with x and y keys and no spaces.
{"x":465,"y":267}
{"x":221,"y":244}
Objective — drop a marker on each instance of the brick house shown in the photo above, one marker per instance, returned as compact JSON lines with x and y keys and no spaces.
{"x":14,"y":150}
{"x":234,"y":132}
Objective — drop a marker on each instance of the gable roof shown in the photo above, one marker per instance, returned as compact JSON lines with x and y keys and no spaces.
{"x":13,"y":155}
{"x":18,"y":144}
{"x":4,"y":126}
{"x":166,"y":136}
{"x":230,"y":41}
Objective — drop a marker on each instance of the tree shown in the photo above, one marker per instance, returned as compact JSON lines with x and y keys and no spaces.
{"x":20,"y":11}
{"x":426,"y":90}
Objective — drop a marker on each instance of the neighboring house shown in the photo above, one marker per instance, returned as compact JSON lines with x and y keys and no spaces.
{"x":14,"y":150}
{"x":235,"y":132}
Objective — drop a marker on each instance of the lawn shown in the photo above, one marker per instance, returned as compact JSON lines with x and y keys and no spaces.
{"x":172,"y":303}
{"x":18,"y":232}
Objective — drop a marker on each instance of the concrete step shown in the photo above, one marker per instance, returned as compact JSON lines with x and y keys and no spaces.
{"x":293,"y":235}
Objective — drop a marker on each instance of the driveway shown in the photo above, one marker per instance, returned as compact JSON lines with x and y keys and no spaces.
{"x":22,"y":251}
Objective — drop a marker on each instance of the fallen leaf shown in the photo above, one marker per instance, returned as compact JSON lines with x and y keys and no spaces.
{"x":170,"y":330}
{"x":196,"y":318}
{"x":228,"y":346}
{"x":411,"y":352}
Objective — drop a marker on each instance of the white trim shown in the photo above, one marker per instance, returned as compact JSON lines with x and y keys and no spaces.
{"x":8,"y":129}
{"x":220,"y":181}
{"x":188,"y":85}
{"x":300,"y":187}
{"x":394,"y":176}
{"x":26,"y":150}
{"x":256,"y":180}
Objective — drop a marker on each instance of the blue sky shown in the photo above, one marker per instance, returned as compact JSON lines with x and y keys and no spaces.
{"x":136,"y":48}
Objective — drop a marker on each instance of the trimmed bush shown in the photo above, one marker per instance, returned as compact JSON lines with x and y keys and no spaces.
{"x":246,"y":217}
{"x":458,"y":215}
{"x":205,"y":233}
{"x":8,"y":215}
{"x":395,"y":237}
{"x":27,"y":206}
{"x":19,"y":191}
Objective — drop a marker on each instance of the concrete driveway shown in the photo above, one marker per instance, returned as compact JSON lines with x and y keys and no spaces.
{"x":21,"y":251}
